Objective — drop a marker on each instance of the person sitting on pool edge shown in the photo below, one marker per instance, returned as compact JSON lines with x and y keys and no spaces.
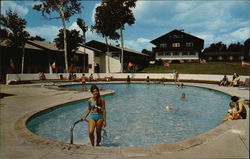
{"x":231,"y":113}
{"x":97,"y":117}
{"x":241,"y":109}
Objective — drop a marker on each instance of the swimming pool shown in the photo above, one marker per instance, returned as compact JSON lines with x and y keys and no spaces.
{"x":136,"y":115}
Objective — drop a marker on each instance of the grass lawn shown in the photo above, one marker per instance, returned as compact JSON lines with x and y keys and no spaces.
{"x":227,"y":68}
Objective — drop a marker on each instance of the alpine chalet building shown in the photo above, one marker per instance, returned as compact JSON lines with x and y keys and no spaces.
{"x":177,"y":46}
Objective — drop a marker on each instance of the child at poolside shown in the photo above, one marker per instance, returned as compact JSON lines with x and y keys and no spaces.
{"x":232,"y":113}
{"x":84,"y":79}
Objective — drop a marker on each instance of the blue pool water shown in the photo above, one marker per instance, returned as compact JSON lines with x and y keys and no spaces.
{"x":136,"y":115}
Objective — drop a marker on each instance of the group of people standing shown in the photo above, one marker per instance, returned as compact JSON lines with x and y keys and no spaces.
{"x":235,"y":81}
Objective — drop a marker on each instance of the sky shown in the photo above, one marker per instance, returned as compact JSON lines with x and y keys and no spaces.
{"x":225,"y":21}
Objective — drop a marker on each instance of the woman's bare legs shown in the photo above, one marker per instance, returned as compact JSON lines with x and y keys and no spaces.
{"x":99,"y":132}
{"x":91,"y":131}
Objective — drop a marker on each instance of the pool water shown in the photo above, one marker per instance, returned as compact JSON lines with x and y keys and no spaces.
{"x":136,"y":115}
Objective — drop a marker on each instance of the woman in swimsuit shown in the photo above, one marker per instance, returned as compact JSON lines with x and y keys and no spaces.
{"x":97,"y":117}
{"x":241,"y":109}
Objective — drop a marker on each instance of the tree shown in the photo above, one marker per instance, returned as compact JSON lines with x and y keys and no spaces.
{"x":119,"y":13}
{"x":216,"y":47}
{"x":14,"y":31}
{"x":73,"y":40}
{"x":247,"y":49}
{"x":37,"y":38}
{"x":80,"y":22}
{"x":150,"y":53}
{"x":104,"y":26}
{"x":235,"y":47}
{"x":65,"y":9}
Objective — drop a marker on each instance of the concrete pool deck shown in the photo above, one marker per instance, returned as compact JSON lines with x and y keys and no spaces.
{"x":228,"y":140}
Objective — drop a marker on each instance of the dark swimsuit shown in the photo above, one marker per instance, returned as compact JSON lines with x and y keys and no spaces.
{"x":243,"y":113}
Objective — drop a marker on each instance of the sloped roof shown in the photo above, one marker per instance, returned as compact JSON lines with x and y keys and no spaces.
{"x":38,"y":45}
{"x":102,"y":46}
{"x":171,"y":32}
{"x":27,"y":45}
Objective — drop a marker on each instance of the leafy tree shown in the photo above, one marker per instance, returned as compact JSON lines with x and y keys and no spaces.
{"x":247,"y":49}
{"x":80,"y":22}
{"x":104,"y":26}
{"x":235,"y":47}
{"x":14,"y":32}
{"x":116,"y":13}
{"x":37,"y":38}
{"x":216,"y":47}
{"x":73,"y":40}
{"x":3,"y":34}
{"x":65,"y":9}
{"x":150,"y":53}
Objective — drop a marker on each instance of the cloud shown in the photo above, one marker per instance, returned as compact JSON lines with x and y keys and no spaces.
{"x":74,"y":26}
{"x":20,"y":9}
{"x":93,"y":12}
{"x":241,"y":34}
{"x":49,"y":32}
{"x":138,"y":44}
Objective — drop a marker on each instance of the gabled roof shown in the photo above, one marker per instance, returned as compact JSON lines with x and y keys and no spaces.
{"x":172,"y":32}
{"x":91,"y":48}
{"x":103,"y":47}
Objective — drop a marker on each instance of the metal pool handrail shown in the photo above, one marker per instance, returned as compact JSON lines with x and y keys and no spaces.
{"x":72,"y":129}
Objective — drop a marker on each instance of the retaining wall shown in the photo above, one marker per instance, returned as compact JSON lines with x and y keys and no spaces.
{"x":122,"y":76}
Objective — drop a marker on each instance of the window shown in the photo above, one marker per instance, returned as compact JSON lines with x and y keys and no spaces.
{"x":167,"y":54}
{"x":176,"y":45}
{"x":220,"y":58}
{"x":189,"y":44}
{"x":163,"y":45}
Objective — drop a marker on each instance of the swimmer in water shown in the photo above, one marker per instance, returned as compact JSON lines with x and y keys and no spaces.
{"x":183,"y":96}
{"x":171,"y":109}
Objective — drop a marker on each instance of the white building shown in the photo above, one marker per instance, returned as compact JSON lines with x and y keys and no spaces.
{"x":107,"y":59}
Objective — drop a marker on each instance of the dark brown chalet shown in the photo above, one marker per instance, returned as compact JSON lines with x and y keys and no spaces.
{"x":177,"y":46}
{"x":224,"y":56}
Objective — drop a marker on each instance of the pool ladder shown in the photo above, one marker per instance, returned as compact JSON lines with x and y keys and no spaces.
{"x":72,"y":129}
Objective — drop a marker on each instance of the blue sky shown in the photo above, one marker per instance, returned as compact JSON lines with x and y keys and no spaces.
{"x":213,"y":21}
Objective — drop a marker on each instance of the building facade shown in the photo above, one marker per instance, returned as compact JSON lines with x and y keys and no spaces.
{"x":39,"y":56}
{"x":177,"y":46}
{"x":224,"y":56}
{"x":107,"y":58}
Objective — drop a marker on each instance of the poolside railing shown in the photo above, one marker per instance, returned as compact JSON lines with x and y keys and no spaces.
{"x":72,"y":129}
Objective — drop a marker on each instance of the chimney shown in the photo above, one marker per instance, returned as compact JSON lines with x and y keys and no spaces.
{"x":182,"y":30}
